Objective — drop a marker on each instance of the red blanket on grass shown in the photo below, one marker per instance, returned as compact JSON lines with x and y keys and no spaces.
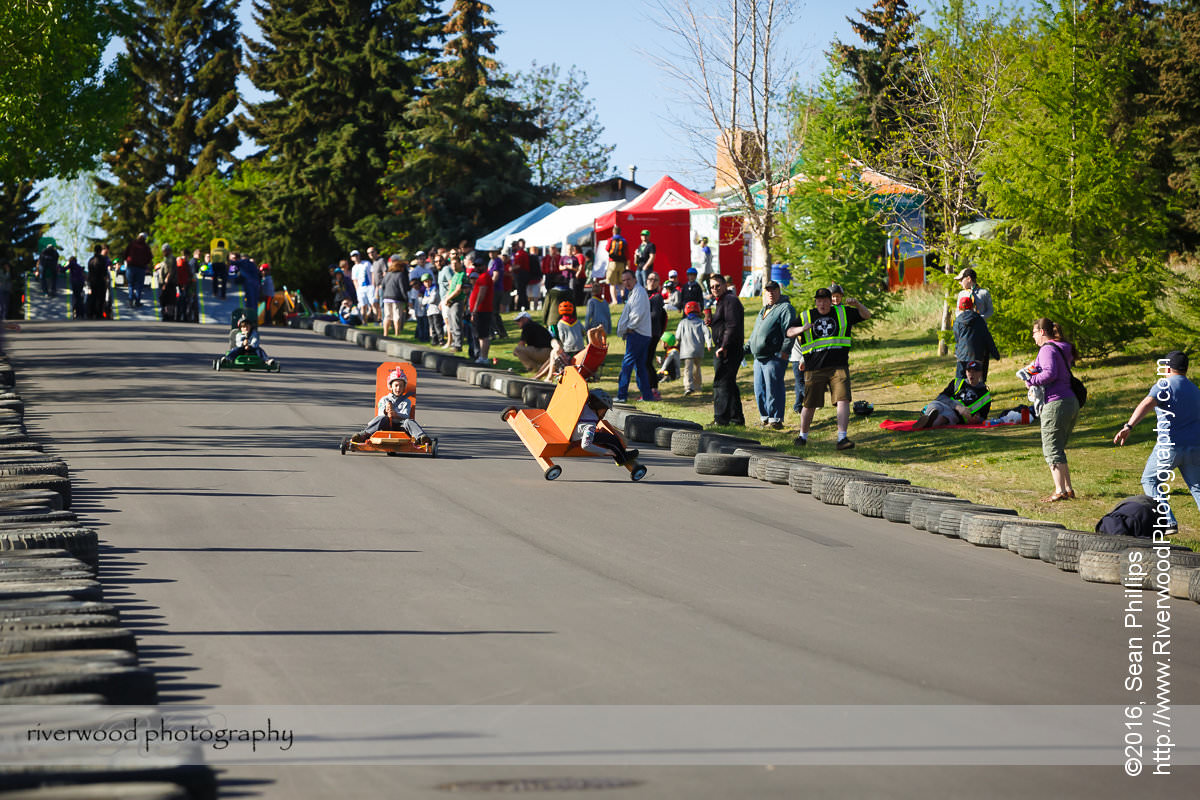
{"x":906,"y":426}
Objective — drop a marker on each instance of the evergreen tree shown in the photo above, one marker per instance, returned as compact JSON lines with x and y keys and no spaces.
{"x":458,"y":170}
{"x":880,"y":69}
{"x":183,"y":56}
{"x":341,"y":74}
{"x":1073,"y":179}
{"x":1176,"y":106}
{"x":570,"y":154}
{"x":19,"y":225}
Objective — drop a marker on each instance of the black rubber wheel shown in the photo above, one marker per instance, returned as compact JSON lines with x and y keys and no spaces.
{"x":638,"y":473}
{"x":344,"y":445}
{"x":506,"y":412}
{"x":433,"y":449}
{"x":553,"y":472}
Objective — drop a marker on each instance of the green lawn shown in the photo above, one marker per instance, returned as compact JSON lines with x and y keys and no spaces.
{"x":894,"y":365}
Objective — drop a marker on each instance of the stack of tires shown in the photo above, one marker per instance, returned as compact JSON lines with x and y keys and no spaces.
{"x":61,"y":642}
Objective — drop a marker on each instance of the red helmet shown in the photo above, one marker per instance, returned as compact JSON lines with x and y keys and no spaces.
{"x":566,"y":308}
{"x":691,"y":307}
{"x":264,"y":267}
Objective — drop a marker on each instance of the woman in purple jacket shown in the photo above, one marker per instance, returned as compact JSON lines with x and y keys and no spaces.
{"x":1052,"y":371}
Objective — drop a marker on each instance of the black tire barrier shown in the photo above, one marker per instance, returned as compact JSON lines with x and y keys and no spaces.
{"x":536,"y":394}
{"x":988,"y":530}
{"x":897,"y":504}
{"x":42,"y":608}
{"x":1099,"y":566}
{"x":724,"y":443}
{"x":27,"y":497}
{"x":829,"y":486}
{"x":54,"y":483}
{"x":663,"y":434}
{"x":949,"y":520}
{"x":22,"y":468}
{"x":79,"y":542}
{"x":920,"y":511}
{"x":685,"y":442}
{"x":865,"y":495}
{"x":1048,"y":545}
{"x":449,"y":364}
{"x":25,"y":590}
{"x":1027,"y":535}
{"x":1072,"y":544}
{"x":1180,"y":581}
{"x":40,"y":641}
{"x":51,"y":621}
{"x":720,"y":464}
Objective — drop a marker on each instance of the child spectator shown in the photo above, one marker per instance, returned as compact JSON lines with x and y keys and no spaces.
{"x":594,"y":439}
{"x":598,"y":312}
{"x":395,"y":412}
{"x":418,"y":311}
{"x":690,"y":336}
{"x":691,"y":291}
{"x":433,"y":309}
{"x":243,"y":340}
{"x":569,"y":330}
{"x":348,"y":312}
{"x":668,"y":367}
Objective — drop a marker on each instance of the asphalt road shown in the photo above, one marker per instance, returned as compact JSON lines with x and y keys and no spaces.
{"x":261,"y":567}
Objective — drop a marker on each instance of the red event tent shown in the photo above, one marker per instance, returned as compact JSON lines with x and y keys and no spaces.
{"x":665,"y":210}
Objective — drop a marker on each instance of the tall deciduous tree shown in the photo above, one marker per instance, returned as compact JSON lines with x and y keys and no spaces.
{"x":1085,"y":223}
{"x":882,"y":68}
{"x":339,"y":74}
{"x":571,"y":153}
{"x":458,"y":169}
{"x":183,"y":56}
{"x":227,"y":206}
{"x":961,"y":76}
{"x":54,"y":93}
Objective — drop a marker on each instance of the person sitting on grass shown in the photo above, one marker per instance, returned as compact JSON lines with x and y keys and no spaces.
{"x":595,"y":439}
{"x":395,"y":412}
{"x":243,"y":341}
{"x":963,"y":402}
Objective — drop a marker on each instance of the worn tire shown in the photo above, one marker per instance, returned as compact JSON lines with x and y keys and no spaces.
{"x":775,"y":470}
{"x":685,"y":442}
{"x":983,"y":530}
{"x":43,"y":607}
{"x":536,"y":395}
{"x":949,"y":520}
{"x":641,"y":427}
{"x":1071,"y":544}
{"x":26,"y":497}
{"x":448,"y":366}
{"x":150,"y":790}
{"x":36,"y":641}
{"x":1029,"y":537}
{"x":870,"y":491}
{"x":801,"y":474}
{"x":54,"y":483}
{"x":51,"y":621}
{"x":897,"y":503}
{"x":720,"y":464}
{"x":724,"y":443}
{"x":1048,"y":545}
{"x":834,"y":483}
{"x":919,"y":511}
{"x":79,"y":542}
{"x":77,"y":590}
{"x":1098,"y":566}
{"x":663,"y":434}
{"x":1180,"y":578}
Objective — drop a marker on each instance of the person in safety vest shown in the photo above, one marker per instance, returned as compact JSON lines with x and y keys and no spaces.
{"x":964,"y":401}
{"x":825,"y":345}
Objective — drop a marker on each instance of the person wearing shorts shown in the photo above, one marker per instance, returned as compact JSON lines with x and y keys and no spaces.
{"x":393,"y":292}
{"x":618,"y":260}
{"x":480,"y":306}
{"x":825,"y":345}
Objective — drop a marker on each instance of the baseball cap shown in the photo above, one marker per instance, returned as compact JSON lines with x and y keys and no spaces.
{"x":965,"y":302}
{"x":1177,"y":360}
{"x":692,"y":271}
{"x":836,"y":288}
{"x":522,"y":315}
{"x":823,"y":292}
{"x":772,"y":286}
{"x":673,"y":273}
{"x":420,"y":253}
{"x":354,"y":252}
{"x":973,"y":365}
{"x":968,"y":272}
{"x":426,"y":278}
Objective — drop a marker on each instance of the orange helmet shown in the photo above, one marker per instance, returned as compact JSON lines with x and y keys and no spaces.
{"x":566,"y":308}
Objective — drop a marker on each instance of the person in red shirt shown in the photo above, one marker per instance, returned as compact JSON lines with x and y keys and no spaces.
{"x":480,"y":306}
{"x":520,"y":272}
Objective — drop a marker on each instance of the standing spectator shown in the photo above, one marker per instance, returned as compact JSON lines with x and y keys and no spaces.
{"x":618,"y":261}
{"x":691,"y":292}
{"x":47,"y":267}
{"x":826,"y":350}
{"x":729,"y":336}
{"x":769,"y":345}
{"x":432,"y":302}
{"x":706,"y":261}
{"x":248,"y":273}
{"x":634,"y":325}
{"x":444,"y":273}
{"x":796,"y":359}
{"x":598,"y":312}
{"x":1052,"y":371}
{"x":480,"y":303}
{"x":5,"y":294}
{"x":183,"y":279}
{"x":97,"y":278}
{"x":551,"y":270}
{"x":692,"y":347}
{"x":520,"y":271}
{"x":220,"y":272}
{"x":78,"y":279}
{"x":452,"y":304}
{"x":658,"y":326}
{"x":533,"y":286}
{"x":644,"y":258}
{"x":1176,"y":403}
{"x":340,"y":284}
{"x":268,"y":292}
{"x":981,"y":299}
{"x":972,"y":339}
{"x":360,"y":271}
{"x":164,"y":273}
{"x":379,"y":267}
{"x":137,"y":261}
{"x":392,"y":296}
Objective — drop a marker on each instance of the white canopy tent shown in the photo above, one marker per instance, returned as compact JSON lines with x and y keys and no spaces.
{"x":568,"y":225}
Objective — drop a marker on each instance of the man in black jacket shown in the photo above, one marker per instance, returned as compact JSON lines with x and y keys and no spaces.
{"x":533,"y":350}
{"x":972,"y":339}
{"x":729,"y":337}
